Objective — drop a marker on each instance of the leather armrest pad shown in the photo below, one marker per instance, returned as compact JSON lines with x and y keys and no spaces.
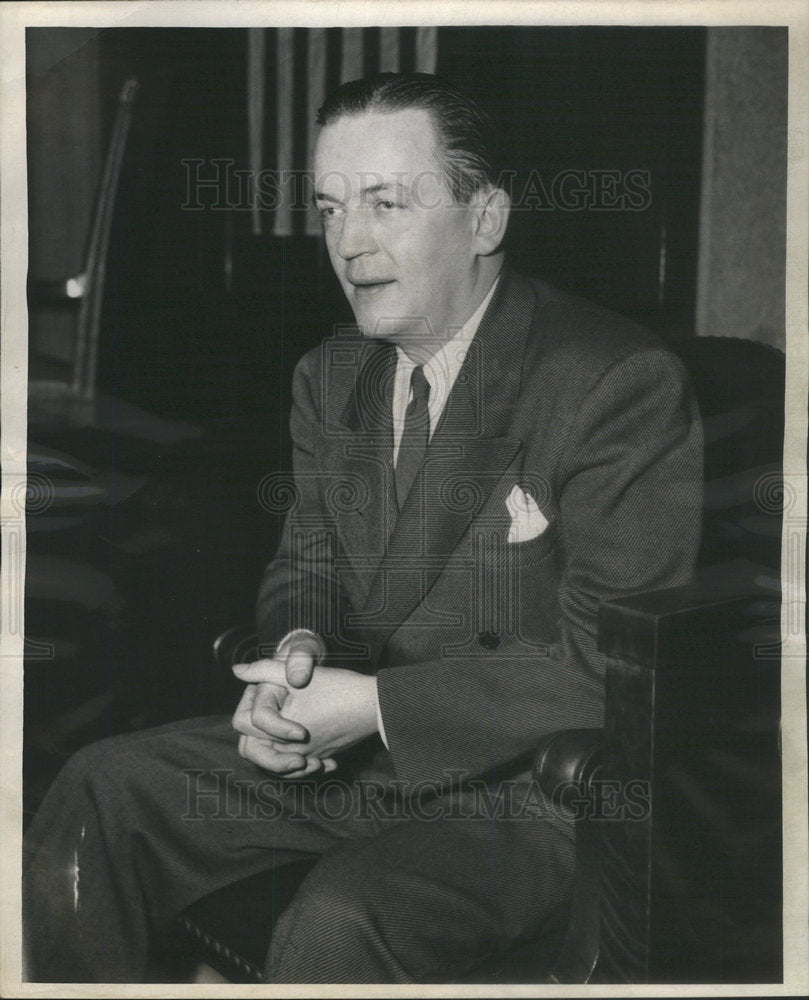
{"x":236,"y":645}
{"x":570,"y":756}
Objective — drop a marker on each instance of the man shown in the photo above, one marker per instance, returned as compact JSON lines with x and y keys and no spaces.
{"x":475,"y":470}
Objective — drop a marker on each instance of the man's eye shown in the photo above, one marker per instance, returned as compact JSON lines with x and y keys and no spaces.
{"x":386,"y":206}
{"x":327,"y":212}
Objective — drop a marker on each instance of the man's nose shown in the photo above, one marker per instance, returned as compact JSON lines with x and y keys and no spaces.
{"x":356,"y":236}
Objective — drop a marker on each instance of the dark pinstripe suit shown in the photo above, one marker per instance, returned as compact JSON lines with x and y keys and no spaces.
{"x":480,"y":647}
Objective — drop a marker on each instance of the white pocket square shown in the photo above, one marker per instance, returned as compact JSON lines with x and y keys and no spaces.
{"x":527,"y":520}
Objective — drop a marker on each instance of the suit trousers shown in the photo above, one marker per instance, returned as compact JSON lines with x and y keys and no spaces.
{"x":410,"y":886}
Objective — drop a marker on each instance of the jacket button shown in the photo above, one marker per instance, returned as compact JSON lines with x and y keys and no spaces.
{"x":489,"y":640}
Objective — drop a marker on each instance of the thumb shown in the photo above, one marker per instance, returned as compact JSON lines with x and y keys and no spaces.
{"x":300,"y":664}
{"x":260,"y":672}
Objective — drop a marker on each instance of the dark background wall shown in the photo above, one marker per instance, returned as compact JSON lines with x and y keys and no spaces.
{"x":595,"y":101}
{"x":599,"y":101}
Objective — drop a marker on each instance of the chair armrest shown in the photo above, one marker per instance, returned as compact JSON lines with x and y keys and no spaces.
{"x":665,"y":652}
{"x":569,"y":761}
{"x":665,"y":629}
{"x":570,"y":757}
{"x":238,"y":644}
{"x":691,"y":864}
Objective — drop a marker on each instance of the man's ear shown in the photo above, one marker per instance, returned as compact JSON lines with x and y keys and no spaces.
{"x":493,"y":206}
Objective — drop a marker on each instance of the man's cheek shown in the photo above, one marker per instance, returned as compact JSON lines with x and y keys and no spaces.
{"x":337,"y":262}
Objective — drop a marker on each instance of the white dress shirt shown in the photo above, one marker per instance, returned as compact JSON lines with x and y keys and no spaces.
{"x":440,"y":371}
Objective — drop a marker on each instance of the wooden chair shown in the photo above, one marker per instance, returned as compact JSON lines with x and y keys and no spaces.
{"x":76,"y":392}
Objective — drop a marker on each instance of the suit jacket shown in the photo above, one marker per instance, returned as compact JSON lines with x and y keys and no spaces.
{"x":481,"y":645}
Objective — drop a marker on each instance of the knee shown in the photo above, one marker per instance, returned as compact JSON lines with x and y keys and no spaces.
{"x":339,"y":928}
{"x":334,"y":898}
{"x":332,"y":914}
{"x":114,"y":762}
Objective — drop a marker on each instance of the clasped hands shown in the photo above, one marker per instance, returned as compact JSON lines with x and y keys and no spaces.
{"x":294,"y":715}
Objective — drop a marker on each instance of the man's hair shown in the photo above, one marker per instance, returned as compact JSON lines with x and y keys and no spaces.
{"x":461,"y":126}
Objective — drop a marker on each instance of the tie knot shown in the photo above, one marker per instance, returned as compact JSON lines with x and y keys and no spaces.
{"x":419,"y":385}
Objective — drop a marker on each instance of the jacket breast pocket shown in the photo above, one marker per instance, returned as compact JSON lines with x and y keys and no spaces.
{"x":512,"y":578}
{"x":492,"y":550}
{"x":534,"y":548}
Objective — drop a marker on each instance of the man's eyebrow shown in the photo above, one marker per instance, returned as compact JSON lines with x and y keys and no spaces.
{"x":372,"y":189}
{"x":385,"y":186}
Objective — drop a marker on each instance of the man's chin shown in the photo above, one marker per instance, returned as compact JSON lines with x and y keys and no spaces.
{"x":386,"y":323}
{"x":379,"y":327}
{"x":379,"y":333}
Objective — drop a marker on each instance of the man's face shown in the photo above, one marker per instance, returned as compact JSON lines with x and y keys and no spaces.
{"x":401,"y":247}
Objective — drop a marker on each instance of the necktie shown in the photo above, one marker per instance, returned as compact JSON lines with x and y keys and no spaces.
{"x":415,"y":435}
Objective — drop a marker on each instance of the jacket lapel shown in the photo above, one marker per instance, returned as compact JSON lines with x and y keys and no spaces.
{"x":357,"y":450}
{"x":468,"y":454}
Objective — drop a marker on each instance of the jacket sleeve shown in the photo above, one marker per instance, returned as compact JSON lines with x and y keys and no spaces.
{"x":629,"y":497}
{"x":299,"y":589}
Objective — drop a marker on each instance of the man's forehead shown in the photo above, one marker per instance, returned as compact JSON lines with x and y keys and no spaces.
{"x":375,"y":150}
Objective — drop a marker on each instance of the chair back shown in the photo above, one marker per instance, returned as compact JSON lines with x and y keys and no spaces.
{"x":739,"y":385}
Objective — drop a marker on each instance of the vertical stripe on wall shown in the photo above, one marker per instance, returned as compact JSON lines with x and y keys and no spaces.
{"x":351,"y":67}
{"x":334,"y":49}
{"x":426,"y":50}
{"x":255,"y":117}
{"x":300,"y":130}
{"x":370,"y":51}
{"x":284,"y":75}
{"x":407,"y":49}
{"x":316,"y":94}
{"x":389,"y":51}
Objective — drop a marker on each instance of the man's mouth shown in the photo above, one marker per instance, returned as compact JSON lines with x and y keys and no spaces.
{"x":369,"y":287}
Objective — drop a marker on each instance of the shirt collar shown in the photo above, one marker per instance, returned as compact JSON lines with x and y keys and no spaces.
{"x":440,"y":371}
{"x":443,"y":367}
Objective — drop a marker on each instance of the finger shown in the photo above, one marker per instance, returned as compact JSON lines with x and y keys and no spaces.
{"x":314,"y":766}
{"x":327,"y":764}
{"x":265,"y":715}
{"x":296,"y":775}
{"x":241,"y":717}
{"x":293,"y":746}
{"x":261,"y":671}
{"x":258,"y":714}
{"x":242,"y":720}
{"x":263,"y":754}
